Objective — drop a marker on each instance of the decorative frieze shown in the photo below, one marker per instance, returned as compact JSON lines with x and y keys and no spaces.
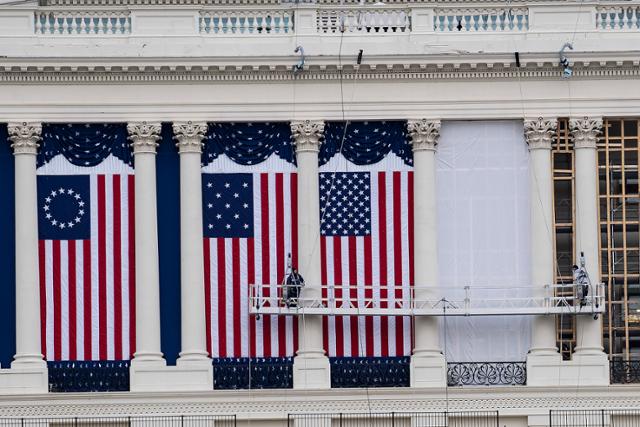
{"x":307,"y":135}
{"x":144,"y":136}
{"x":189,"y":136}
{"x":539,"y":133}
{"x":424,"y":134}
{"x":24,"y":137}
{"x":585,"y":131}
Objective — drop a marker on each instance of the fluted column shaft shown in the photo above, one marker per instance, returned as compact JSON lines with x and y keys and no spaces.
{"x":585,"y":132}
{"x":193,"y":327}
{"x":24,"y":138}
{"x":539,"y":135}
{"x":424,"y":136}
{"x":144,"y":140}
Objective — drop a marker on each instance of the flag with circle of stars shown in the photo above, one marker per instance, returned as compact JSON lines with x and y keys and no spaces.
{"x":64,"y":207}
{"x":345,"y":204}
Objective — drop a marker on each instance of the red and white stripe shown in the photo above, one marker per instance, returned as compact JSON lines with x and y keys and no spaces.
{"x":384,"y":262}
{"x":231,"y":264}
{"x":87,"y":287}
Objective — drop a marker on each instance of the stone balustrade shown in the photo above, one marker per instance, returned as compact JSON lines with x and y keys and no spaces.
{"x":215,"y":18}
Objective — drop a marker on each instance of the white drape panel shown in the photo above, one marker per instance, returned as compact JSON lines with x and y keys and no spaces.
{"x":483,"y":234}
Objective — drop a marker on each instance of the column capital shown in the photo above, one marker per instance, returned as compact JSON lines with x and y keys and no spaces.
{"x":24,"y":137}
{"x":189,"y":136}
{"x":307,"y":135}
{"x":585,"y":131}
{"x":539,"y":133}
{"x":144,"y":136}
{"x":424,"y":134}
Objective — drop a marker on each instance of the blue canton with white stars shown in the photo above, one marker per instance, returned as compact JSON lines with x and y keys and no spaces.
{"x":345,"y":204}
{"x":64,"y":207}
{"x":227,"y":204}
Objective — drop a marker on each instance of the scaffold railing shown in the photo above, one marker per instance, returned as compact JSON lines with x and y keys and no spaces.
{"x":369,"y":300}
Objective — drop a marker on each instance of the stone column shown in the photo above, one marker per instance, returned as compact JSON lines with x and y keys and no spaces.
{"x":311,"y":368}
{"x":144,"y":140}
{"x":539,"y":135}
{"x":543,"y":361}
{"x":28,"y":373}
{"x":428,"y":365}
{"x":194,"y":347}
{"x":24,"y":138}
{"x":585,"y":132}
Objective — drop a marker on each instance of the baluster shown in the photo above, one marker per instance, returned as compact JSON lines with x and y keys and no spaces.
{"x":286,"y":18}
{"x":56,"y":24}
{"x":75,"y":24}
{"x":281,"y":23}
{"x":118,"y":28}
{"x":615,"y":19}
{"x":83,"y":23}
{"x":92,"y":25}
{"x":243,"y":22}
{"x":635,"y":20}
{"x":110,"y":25}
{"x":201,"y":24}
{"x":219,"y":28}
{"x":37,"y":23}
{"x":65,"y":24}
{"x":466,"y":26}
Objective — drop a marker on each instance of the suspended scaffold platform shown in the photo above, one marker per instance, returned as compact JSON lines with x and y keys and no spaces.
{"x":349,"y":300}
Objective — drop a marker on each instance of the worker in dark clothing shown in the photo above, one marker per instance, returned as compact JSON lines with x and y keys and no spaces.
{"x":295,"y":282}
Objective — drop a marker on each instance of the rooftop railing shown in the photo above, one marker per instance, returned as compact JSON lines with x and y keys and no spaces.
{"x":268,"y":18}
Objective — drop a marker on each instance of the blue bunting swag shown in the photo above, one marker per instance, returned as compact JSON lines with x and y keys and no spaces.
{"x":84,"y":144}
{"x":248,"y":143}
{"x":366,"y":143}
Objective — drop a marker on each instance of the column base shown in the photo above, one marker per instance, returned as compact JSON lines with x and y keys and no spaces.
{"x":311,"y":372}
{"x":583,"y":370}
{"x":191,"y":375}
{"x":428,"y":370}
{"x":25,"y":378}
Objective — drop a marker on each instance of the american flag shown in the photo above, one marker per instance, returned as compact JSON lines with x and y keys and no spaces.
{"x":250,"y":227}
{"x":367,"y":239}
{"x":87,"y":265}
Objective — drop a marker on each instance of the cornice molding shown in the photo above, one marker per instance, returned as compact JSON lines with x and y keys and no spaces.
{"x":62,"y":74}
{"x":85,"y":3}
{"x":276,"y":404}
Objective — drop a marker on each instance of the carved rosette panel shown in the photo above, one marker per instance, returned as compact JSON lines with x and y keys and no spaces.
{"x":24,"y":137}
{"x":189,"y":136}
{"x":144,"y":136}
{"x":424,"y":134}
{"x":539,"y":133}
{"x":585,"y":131}
{"x":307,"y":135}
